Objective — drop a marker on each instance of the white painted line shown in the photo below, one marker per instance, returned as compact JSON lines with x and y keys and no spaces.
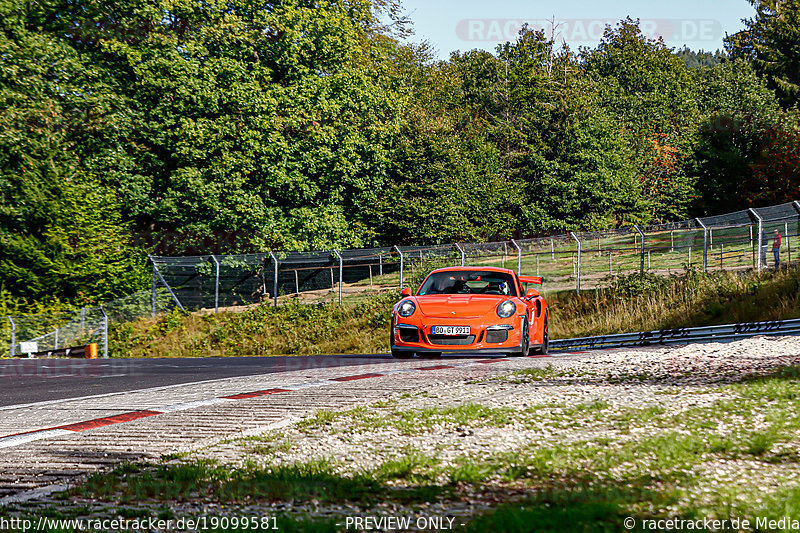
{"x":190,"y":405}
{"x":271,"y":375}
{"x":310,"y":385}
{"x":109,"y":394}
{"x":16,"y":440}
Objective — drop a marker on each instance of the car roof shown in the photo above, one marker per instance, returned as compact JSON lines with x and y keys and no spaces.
{"x":473,"y":268}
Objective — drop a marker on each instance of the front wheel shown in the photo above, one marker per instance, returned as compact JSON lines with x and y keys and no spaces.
{"x":526,"y":341}
{"x":543,"y":349}
{"x":399,"y":354}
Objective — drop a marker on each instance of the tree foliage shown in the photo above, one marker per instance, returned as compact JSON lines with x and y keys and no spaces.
{"x":316,"y":125}
{"x":61,"y":231}
{"x":771,"y":41}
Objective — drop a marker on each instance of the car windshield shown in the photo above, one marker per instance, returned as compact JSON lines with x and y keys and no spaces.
{"x":469,"y":282}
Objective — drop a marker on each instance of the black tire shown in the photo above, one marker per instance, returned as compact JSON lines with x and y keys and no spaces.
{"x":429,"y":355}
{"x":543,"y":349}
{"x":526,"y":341}
{"x":399,"y":354}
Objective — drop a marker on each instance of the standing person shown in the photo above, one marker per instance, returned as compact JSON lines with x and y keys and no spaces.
{"x":776,"y":248}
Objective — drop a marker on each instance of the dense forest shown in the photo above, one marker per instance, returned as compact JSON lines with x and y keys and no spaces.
{"x":249,"y":125}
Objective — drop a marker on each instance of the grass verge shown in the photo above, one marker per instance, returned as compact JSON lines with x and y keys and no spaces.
{"x":291,"y":329}
{"x":649,"y":302}
{"x":632,"y":303}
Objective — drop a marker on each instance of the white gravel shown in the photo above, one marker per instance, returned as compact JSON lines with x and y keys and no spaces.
{"x":675,"y":379}
{"x":671,"y":380}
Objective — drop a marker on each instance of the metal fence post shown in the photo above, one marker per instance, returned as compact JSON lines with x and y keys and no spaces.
{"x":705,"y":244}
{"x":340,"y":274}
{"x":153,"y":294}
{"x":796,"y":205}
{"x":105,"y":333}
{"x":216,"y":284}
{"x":578,"y":275}
{"x":174,"y":297}
{"x":274,"y":281}
{"x":519,"y":257}
{"x":13,"y":337}
{"x":83,"y":319}
{"x":55,"y":339}
{"x":461,"y":251}
{"x":641,"y":254}
{"x":760,"y":239}
{"x":399,"y":251}
{"x":788,"y":241}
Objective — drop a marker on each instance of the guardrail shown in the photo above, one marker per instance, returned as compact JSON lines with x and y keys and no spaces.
{"x":85,"y":352}
{"x":725,"y":332}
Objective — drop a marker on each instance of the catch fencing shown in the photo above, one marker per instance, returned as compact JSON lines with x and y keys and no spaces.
{"x":734,"y":241}
{"x":568,"y":261}
{"x":32,"y":334}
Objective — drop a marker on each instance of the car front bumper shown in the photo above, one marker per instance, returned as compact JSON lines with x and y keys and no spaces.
{"x":479,"y":343}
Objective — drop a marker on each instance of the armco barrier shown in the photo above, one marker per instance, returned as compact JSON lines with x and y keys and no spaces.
{"x":85,"y":352}
{"x":725,"y":332}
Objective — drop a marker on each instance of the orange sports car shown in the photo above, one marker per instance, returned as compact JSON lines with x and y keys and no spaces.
{"x":470,"y":309}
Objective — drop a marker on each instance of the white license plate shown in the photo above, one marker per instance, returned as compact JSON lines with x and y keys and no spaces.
{"x":451,"y":330}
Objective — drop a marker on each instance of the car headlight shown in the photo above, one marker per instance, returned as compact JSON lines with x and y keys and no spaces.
{"x":506,"y":309}
{"x":406,"y":308}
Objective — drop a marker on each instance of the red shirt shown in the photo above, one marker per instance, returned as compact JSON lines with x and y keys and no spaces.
{"x":777,"y":242}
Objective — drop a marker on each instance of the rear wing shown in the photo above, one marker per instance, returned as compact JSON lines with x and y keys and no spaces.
{"x":531,"y":279}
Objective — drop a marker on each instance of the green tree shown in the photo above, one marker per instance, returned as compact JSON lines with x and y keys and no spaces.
{"x":559,"y":144}
{"x":256,"y":118}
{"x":696,"y":60}
{"x":650,"y":92}
{"x":738,"y":113}
{"x":61,"y":235}
{"x":445,"y":182}
{"x":771,"y":41}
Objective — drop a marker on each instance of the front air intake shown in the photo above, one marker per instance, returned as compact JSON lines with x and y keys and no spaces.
{"x":496,"y":336}
{"x":409,"y":335}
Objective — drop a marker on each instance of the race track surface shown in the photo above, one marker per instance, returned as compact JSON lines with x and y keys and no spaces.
{"x":61,"y":420}
{"x":25,"y":381}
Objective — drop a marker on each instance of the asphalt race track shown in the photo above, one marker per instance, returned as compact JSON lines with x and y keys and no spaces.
{"x":61,"y":420}
{"x":24,"y":381}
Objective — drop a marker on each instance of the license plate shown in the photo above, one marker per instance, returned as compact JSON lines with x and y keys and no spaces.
{"x":451,"y":330}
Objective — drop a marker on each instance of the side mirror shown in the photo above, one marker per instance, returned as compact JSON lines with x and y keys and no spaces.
{"x":406,"y":292}
{"x":531,"y":293}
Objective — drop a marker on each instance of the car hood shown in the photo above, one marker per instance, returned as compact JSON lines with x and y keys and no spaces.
{"x":458,"y":305}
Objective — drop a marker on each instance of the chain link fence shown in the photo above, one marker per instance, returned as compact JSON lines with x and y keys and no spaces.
{"x":569,"y":261}
{"x":739,"y":240}
{"x":44,"y":334}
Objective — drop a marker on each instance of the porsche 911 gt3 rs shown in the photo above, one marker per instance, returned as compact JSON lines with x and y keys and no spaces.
{"x":471,"y":309}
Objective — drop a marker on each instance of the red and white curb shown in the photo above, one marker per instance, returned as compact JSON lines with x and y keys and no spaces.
{"x":18,"y":439}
